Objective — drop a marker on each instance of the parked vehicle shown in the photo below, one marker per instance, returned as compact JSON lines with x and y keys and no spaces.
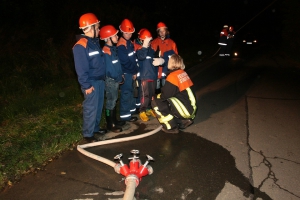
{"x":249,"y":39}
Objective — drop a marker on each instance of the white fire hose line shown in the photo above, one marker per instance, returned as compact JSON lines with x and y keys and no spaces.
{"x":129,"y":193}
{"x":81,"y":148}
{"x":130,"y":189}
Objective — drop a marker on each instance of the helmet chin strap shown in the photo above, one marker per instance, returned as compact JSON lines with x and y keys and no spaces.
{"x":89,"y":28}
{"x":112,"y":42}
{"x":94,"y":31}
{"x":139,"y":41}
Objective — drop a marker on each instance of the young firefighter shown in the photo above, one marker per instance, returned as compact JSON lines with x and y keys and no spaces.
{"x":127,"y":58}
{"x":90,"y":69}
{"x":175,"y":107}
{"x":147,"y":71}
{"x":167,"y":48}
{"x":114,"y":76}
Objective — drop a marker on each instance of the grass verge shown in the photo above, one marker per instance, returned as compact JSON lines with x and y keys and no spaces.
{"x":48,"y":122}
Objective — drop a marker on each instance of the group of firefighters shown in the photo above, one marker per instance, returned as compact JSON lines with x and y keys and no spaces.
{"x":153,"y":66}
{"x":226,"y":40}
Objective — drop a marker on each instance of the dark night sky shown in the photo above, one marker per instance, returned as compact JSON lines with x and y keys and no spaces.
{"x":184,"y":19}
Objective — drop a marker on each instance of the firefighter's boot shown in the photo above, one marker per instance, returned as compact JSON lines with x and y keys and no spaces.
{"x":144,"y":116}
{"x":117,"y":122}
{"x":150,"y":112}
{"x":110,"y":123}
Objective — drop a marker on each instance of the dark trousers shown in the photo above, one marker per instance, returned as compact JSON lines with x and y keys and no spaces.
{"x":147,"y":91}
{"x":127,"y":101}
{"x":223,"y":49}
{"x":92,"y":108}
{"x":229,"y":45}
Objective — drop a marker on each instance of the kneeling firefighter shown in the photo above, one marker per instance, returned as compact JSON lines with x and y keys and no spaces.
{"x":175,"y":106}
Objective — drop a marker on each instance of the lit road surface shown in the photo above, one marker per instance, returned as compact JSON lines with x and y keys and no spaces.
{"x":244,"y":144}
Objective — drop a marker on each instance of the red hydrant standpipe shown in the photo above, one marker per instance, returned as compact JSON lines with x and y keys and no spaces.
{"x":135,"y":172}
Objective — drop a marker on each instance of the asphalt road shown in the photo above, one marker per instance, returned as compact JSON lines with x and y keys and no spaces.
{"x":244,"y":143}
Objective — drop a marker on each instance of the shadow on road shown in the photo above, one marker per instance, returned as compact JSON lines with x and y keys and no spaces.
{"x":185,"y":165}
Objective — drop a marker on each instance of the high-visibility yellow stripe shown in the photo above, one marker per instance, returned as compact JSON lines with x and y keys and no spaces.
{"x":193,"y":101}
{"x":181,"y":108}
{"x":157,"y":111}
{"x":168,"y":125}
{"x":163,"y":119}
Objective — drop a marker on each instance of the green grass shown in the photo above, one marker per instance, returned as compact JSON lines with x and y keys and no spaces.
{"x":47,"y":123}
{"x":38,"y":125}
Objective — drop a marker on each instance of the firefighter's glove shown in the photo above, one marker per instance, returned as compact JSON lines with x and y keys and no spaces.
{"x":146,"y":42}
{"x":158,"y":61}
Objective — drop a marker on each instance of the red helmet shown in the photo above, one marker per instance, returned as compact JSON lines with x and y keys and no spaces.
{"x":87,"y":20}
{"x":141,"y":31}
{"x":107,"y":32}
{"x":230,"y":28}
{"x":161,"y":25}
{"x":127,"y":26}
{"x":144,"y":33}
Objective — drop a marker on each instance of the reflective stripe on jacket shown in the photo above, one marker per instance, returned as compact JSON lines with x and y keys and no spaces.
{"x":177,"y":91}
{"x":113,"y":65}
{"x":145,"y":56}
{"x":127,"y":56}
{"x":167,"y":48}
{"x":89,"y":61}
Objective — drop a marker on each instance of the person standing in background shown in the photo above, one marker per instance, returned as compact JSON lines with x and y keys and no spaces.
{"x":223,"y":40}
{"x":167,"y":47}
{"x":230,"y":38}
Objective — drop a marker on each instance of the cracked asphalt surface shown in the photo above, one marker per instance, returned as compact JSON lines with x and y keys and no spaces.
{"x":244,"y":143}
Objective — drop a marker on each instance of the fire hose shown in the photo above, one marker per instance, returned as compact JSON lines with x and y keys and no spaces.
{"x":134,"y":172}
